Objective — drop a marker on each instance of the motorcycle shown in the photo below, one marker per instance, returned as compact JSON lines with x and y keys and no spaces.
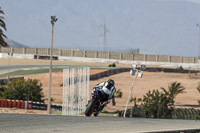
{"x":95,"y":105}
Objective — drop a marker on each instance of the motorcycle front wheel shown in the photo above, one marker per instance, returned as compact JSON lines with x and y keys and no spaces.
{"x":89,"y":109}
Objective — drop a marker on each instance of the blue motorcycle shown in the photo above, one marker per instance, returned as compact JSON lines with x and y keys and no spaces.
{"x":95,"y":105}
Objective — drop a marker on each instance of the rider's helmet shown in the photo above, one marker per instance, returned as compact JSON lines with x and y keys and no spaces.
{"x":111,"y":82}
{"x":108,"y":86}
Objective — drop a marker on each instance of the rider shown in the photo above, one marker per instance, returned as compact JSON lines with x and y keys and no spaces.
{"x":108,"y":88}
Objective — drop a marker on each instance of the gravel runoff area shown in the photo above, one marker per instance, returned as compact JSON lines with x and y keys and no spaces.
{"x":21,"y":123}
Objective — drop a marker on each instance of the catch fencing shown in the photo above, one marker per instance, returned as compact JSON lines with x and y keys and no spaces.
{"x":75,"y":90}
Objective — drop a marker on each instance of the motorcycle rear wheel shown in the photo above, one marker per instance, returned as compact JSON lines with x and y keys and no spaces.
{"x":90,"y":108}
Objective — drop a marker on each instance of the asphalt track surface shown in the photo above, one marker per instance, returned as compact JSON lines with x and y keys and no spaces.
{"x":24,"y":123}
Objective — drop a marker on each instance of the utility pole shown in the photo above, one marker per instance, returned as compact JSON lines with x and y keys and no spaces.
{"x":104,"y":36}
{"x":53,"y":20}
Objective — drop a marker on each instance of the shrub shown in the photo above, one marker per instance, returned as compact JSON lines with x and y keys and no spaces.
{"x":157,"y":104}
{"x":20,"y":89}
{"x":118,"y":94}
{"x":112,"y":65}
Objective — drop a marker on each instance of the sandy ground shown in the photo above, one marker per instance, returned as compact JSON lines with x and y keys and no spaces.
{"x":149,"y":81}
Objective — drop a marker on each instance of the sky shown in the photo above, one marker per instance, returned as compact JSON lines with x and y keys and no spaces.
{"x":164,"y":27}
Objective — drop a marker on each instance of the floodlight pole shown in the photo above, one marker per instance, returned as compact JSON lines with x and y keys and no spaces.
{"x":53,"y":20}
{"x":135,"y":76}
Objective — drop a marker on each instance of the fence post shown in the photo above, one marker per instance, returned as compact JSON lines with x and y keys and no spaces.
{"x":12,"y":50}
{"x":72,"y":53}
{"x":120,"y":56}
{"x":48,"y":51}
{"x":181,"y":59}
{"x":35,"y":50}
{"x":169,"y":58}
{"x":84,"y":53}
{"x":145,"y":57}
{"x":194,"y":60}
{"x":60,"y":52}
{"x":24,"y":50}
{"x":108,"y":55}
{"x":96,"y":54}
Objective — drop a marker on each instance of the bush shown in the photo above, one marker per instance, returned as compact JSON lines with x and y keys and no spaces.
{"x":118,"y":94}
{"x":112,"y":65}
{"x":157,"y":104}
{"x":20,"y":89}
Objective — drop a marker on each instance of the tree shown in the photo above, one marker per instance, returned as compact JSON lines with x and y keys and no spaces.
{"x":2,"y":27}
{"x":155,"y":105}
{"x":27,"y":90}
{"x":160,"y":104}
{"x":173,"y":90}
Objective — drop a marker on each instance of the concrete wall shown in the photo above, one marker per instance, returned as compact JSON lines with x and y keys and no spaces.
{"x":5,"y":50}
{"x":126,"y":56}
{"x":90,"y":54}
{"x":116,"y":56}
{"x":103,"y":55}
{"x":30,"y":50}
{"x":66,"y":52}
{"x":163,"y":58}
